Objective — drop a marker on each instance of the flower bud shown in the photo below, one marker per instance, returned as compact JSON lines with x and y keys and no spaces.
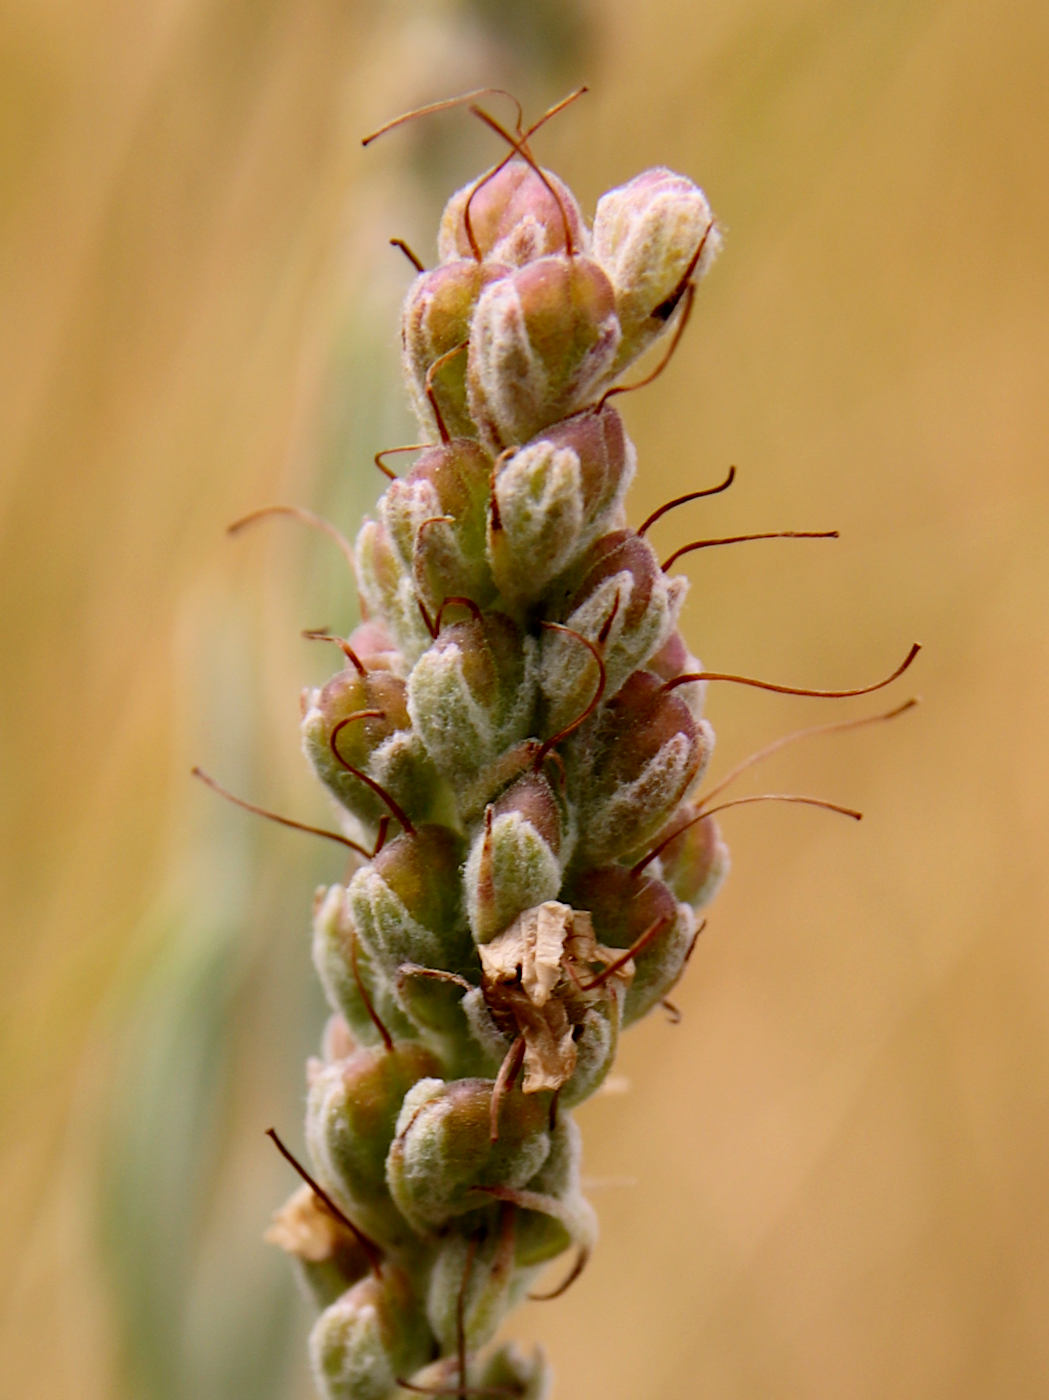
{"x":436,"y":319}
{"x":625,"y":907}
{"x":436,"y":518}
{"x":374,"y":647}
{"x":474,"y":1284}
{"x":406,"y":903}
{"x":434,"y":1000}
{"x":632,"y":765}
{"x":374,"y":1333}
{"x":622,"y":595}
{"x":515,"y":217}
{"x":443,"y":1149}
{"x":383,"y":745}
{"x":387,"y":588}
{"x":472,"y":694}
{"x":553,"y":497}
{"x":508,"y":1371}
{"x":541,"y":342}
{"x":695,"y":863}
{"x":646,"y":236}
{"x":596,"y":1043}
{"x":345,"y":966}
{"x":350,"y":1115}
{"x":539,"y":1235}
{"x":516,"y":859}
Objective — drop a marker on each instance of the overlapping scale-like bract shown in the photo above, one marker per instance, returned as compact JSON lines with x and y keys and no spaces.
{"x":509,"y":730}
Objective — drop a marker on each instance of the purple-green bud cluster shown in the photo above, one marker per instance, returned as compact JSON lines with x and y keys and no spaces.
{"x":506,"y":735}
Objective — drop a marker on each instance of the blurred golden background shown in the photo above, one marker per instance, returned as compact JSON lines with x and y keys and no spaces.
{"x":831,"y":1179}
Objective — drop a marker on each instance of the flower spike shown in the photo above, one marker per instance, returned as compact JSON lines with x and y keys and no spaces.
{"x":519,"y":699}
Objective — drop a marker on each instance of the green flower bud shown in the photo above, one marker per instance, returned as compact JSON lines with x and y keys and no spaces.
{"x":436,"y":517}
{"x":472,"y":694}
{"x":647,"y":234}
{"x":542,"y":1236}
{"x":387,"y":588}
{"x":541,"y":342}
{"x":436,"y":320}
{"x":695,"y":863}
{"x":350,"y":1115}
{"x":626,"y":909}
{"x":381,"y":743}
{"x":523,"y":1377}
{"x":372,"y":1335}
{"x":406,"y":903}
{"x":623,"y":596}
{"x":344,"y":965}
{"x":631,"y":765}
{"x":514,"y":216}
{"x":444,"y":1151}
{"x":596,"y":1036}
{"x":474,"y":1278}
{"x":516,"y":859}
{"x":434,"y":1000}
{"x":553,"y":497}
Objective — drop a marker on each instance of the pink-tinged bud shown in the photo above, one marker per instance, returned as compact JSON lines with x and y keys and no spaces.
{"x":695,"y":863}
{"x":381,"y":743}
{"x":472,"y":694}
{"x":387,"y":589}
{"x":350,"y":1115}
{"x":554,"y":497}
{"x":375,"y":649}
{"x":444,"y":1151}
{"x":674,"y":659}
{"x":541,"y":343}
{"x":647,"y":234}
{"x":348,"y":974}
{"x":373,"y":1334}
{"x":624,"y":603}
{"x":516,"y":859}
{"x":436,"y":319}
{"x":406,"y":904}
{"x":631,"y":766}
{"x":436,"y":517}
{"x":514,"y":217}
{"x":630,"y":910}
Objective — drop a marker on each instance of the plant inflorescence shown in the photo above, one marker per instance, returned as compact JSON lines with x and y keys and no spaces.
{"x":513,"y":744}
